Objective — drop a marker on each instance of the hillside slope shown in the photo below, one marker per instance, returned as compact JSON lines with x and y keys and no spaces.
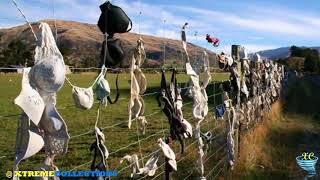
{"x":83,"y":40}
{"x":282,"y":52}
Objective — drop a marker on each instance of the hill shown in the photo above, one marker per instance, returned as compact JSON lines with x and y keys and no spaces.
{"x":80,"y":42}
{"x":278,"y":53}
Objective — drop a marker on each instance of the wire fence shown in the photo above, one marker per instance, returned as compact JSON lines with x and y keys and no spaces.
{"x":155,"y":134}
{"x":218,"y":154}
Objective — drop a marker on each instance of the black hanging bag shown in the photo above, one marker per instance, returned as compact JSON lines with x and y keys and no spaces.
{"x":114,"y":54}
{"x":113,"y":19}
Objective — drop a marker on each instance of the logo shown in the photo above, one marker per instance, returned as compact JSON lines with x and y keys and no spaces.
{"x":10,"y":174}
{"x":307,"y":162}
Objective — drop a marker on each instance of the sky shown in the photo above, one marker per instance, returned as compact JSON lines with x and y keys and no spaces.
{"x":256,"y":25}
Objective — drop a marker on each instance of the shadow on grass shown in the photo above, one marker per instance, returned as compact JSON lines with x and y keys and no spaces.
{"x":303,"y":98}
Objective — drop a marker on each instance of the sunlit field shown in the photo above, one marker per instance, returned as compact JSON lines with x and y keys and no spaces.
{"x":120,"y":140}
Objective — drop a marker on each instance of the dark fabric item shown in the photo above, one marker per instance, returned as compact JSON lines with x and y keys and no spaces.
{"x":166,"y":99}
{"x":113,"y":19}
{"x":114,"y":54}
{"x":222,"y":65}
{"x":183,"y":33}
{"x":118,"y":93}
{"x":226,"y":86}
{"x":220,"y":110}
{"x":98,"y":157}
{"x":234,"y":84}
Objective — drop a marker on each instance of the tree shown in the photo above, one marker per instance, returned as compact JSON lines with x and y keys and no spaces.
{"x":312,"y":64}
{"x":66,"y":52}
{"x":88,"y":62}
{"x":17,"y":53}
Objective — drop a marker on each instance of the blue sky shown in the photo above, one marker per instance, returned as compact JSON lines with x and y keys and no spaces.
{"x":257,"y":25}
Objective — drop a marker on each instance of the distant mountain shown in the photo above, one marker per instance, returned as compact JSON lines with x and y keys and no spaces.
{"x":83,"y":41}
{"x":282,"y":52}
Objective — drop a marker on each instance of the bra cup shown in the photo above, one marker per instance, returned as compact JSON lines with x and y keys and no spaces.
{"x":102,"y":88}
{"x":49,"y":74}
{"x":115,"y":49}
{"x":83,"y":97}
{"x":56,"y":137}
{"x":115,"y":53}
{"x":29,"y":100}
{"x":29,"y":141}
{"x":113,"y":19}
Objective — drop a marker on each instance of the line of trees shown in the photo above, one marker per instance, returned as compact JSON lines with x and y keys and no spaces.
{"x":303,"y":59}
{"x":17,"y":53}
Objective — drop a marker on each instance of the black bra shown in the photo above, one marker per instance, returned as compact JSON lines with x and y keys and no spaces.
{"x":113,"y":19}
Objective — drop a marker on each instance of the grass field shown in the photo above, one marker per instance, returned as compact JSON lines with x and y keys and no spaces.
{"x":117,"y":137}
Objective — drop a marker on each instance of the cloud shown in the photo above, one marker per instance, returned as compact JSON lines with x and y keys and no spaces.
{"x":250,"y":48}
{"x":252,"y":25}
{"x":263,"y":22}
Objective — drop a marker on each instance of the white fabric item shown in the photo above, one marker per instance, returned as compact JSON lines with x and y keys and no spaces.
{"x":136,"y":102}
{"x":243,"y":53}
{"x":183,"y":121}
{"x":256,"y":57}
{"x":101,"y":137}
{"x":137,"y":87}
{"x":207,"y":74}
{"x":188,"y":128}
{"x":168,"y":153}
{"x":102,"y":88}
{"x":141,"y":79}
{"x":48,"y":72}
{"x":29,"y":141}
{"x":190,"y":70}
{"x":244,"y":88}
{"x":83,"y":97}
{"x":231,"y":122}
{"x":151,"y":166}
{"x":229,"y":60}
{"x":200,"y":166}
{"x":199,"y":96}
{"x":142,"y":122}
{"x":29,"y":99}
{"x":134,"y":163}
{"x":200,"y":106}
{"x":103,"y":152}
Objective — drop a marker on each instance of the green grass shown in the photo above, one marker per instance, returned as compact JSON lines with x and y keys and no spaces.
{"x":79,"y":121}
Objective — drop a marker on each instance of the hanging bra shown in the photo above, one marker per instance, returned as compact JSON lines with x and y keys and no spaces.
{"x":114,"y":53}
{"x":100,"y":151}
{"x":220,"y":110}
{"x":29,"y":140}
{"x":168,"y":98}
{"x":56,"y":135}
{"x":29,"y":100}
{"x":149,"y":168}
{"x":113,"y":19}
{"x":138,"y":85}
{"x":83,"y":97}
{"x":168,"y":153}
{"x":48,"y":72}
